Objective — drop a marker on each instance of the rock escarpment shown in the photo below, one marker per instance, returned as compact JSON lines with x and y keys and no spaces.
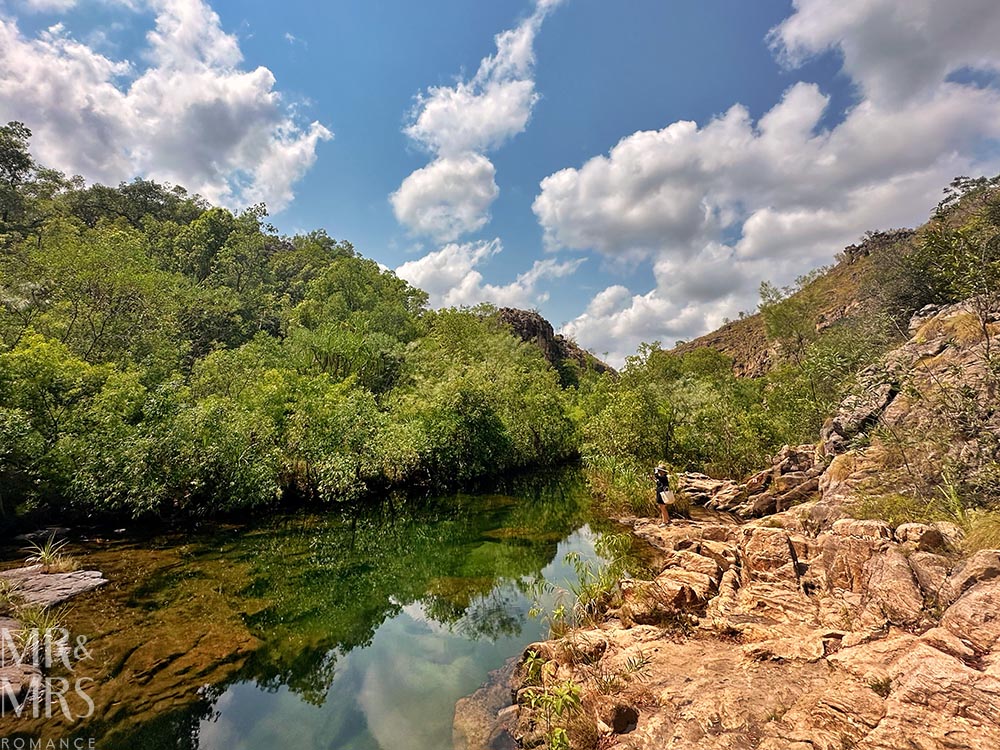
{"x":562,"y":353}
{"x":929,"y":409}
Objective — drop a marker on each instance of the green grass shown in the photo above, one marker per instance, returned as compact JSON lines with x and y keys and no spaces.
{"x":37,"y":623}
{"x":50,"y":556}
{"x":10,"y":597}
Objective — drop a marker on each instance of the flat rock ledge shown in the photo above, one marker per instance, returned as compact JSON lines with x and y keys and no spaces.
{"x":41,"y":589}
{"x":757,"y":637}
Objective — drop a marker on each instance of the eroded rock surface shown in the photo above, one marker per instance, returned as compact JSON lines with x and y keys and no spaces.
{"x":753,"y":636}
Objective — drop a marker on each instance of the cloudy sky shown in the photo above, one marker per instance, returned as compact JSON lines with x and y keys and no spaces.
{"x":632,"y":170}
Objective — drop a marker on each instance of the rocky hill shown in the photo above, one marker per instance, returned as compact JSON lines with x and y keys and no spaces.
{"x":563,"y":354}
{"x":839,"y":292}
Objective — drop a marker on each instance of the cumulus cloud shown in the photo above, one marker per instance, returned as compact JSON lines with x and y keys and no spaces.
{"x":458,"y":124}
{"x":894,"y":51}
{"x":188,"y":115}
{"x":731,"y":202}
{"x":449,"y":197}
{"x":451,"y":276}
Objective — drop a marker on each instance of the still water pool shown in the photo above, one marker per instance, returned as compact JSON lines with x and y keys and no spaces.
{"x":344,"y":630}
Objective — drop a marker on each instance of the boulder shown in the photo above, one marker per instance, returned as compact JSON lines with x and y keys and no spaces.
{"x":975,"y":617}
{"x":922,"y":536}
{"x":982,"y":566}
{"x":952,"y":533}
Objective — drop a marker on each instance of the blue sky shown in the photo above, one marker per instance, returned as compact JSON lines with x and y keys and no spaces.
{"x":633,"y":170}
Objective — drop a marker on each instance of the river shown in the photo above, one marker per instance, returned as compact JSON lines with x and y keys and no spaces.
{"x":346,"y":630}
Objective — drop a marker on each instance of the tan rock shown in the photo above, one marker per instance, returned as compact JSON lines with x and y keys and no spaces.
{"x":844,"y":560}
{"x":806,"y":647}
{"x":873,"y":660}
{"x":862,"y":528}
{"x":764,"y":552}
{"x":701,"y":584}
{"x":944,"y":640}
{"x":982,"y":566}
{"x":920,"y":535}
{"x":722,"y":553}
{"x":892,"y":589}
{"x":687,"y":560}
{"x":937,"y":698}
{"x":975,"y":617}
{"x":931,"y":571}
{"x":952,"y":533}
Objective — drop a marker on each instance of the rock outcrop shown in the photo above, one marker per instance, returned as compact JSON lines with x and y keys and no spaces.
{"x":928,"y":407}
{"x":755,"y":636}
{"x":562,"y":353}
{"x":39,"y":589}
{"x":792,"y":478}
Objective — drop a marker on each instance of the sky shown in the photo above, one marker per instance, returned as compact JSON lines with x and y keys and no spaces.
{"x":632,"y":170}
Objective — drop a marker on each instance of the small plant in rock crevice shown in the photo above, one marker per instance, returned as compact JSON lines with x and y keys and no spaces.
{"x":557,"y":703}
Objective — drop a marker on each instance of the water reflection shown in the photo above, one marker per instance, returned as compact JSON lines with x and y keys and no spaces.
{"x":328,"y":631}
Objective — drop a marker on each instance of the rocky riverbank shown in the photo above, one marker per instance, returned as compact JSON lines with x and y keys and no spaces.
{"x":35,"y":589}
{"x":757,"y":636}
{"x":778,"y":621}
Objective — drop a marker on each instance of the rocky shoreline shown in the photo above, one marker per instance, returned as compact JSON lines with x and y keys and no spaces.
{"x":758,"y":636}
{"x":35,"y":588}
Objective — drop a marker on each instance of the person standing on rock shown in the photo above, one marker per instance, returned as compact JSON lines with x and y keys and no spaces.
{"x":664,"y":495}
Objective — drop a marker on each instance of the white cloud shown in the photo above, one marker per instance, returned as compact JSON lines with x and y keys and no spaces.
{"x":451,"y":277}
{"x":734,"y":201}
{"x":894,"y":50}
{"x":191,"y":116}
{"x":49,"y":6}
{"x":459,"y":124}
{"x":449,"y":197}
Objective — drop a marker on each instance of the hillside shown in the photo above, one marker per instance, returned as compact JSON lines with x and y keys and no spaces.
{"x":840,"y":291}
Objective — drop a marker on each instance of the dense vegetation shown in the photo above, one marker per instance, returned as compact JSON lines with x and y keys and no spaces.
{"x":161,"y":356}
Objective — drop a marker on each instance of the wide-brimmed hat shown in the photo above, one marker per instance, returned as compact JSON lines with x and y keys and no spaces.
{"x":661,"y":469}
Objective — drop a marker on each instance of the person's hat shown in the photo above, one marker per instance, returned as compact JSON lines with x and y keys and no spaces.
{"x":661,"y":469}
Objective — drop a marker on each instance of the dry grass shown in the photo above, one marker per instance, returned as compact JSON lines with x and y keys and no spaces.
{"x":980,"y":525}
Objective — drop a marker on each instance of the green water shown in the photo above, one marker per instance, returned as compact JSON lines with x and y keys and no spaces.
{"x":358,"y":631}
